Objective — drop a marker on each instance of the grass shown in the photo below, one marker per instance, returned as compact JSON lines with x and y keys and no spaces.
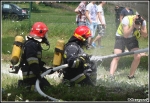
{"x":61,"y":24}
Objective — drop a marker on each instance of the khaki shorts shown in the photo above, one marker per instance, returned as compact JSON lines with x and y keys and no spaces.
{"x":100,"y":30}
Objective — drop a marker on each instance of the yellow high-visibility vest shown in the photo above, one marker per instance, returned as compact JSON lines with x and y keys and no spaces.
{"x":120,"y":29}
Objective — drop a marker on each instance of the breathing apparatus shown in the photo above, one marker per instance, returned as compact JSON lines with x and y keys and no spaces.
{"x":17,"y":49}
{"x":58,"y":52}
{"x":38,"y":32}
{"x":16,"y":53}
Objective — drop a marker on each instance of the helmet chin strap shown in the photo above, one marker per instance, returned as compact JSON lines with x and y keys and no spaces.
{"x":79,"y":37}
{"x":44,"y":40}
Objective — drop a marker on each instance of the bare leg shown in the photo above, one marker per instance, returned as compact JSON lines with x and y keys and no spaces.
{"x":89,"y":40}
{"x":97,"y":38}
{"x":135,"y":63}
{"x":114,"y":62}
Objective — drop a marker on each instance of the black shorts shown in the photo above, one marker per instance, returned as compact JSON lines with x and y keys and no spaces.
{"x":129,"y":43}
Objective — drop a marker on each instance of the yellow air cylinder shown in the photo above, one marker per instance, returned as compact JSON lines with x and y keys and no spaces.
{"x":58,"y":53}
{"x":16,"y":51}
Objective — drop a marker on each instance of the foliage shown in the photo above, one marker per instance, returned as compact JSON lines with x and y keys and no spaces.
{"x":35,"y":7}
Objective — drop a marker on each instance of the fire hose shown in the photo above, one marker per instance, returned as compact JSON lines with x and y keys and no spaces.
{"x":99,"y":58}
{"x":42,"y":75}
{"x":93,"y":58}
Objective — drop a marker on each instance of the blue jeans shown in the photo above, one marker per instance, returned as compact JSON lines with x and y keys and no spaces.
{"x":81,"y":23}
{"x":93,"y":28}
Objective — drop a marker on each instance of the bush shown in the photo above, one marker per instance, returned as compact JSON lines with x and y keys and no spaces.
{"x":35,"y":7}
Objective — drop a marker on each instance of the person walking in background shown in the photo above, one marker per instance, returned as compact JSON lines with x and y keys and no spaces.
{"x":80,"y":10}
{"x":118,"y":10}
{"x":91,"y":15}
{"x":101,"y":25}
{"x":126,"y":11}
{"x":130,"y":27}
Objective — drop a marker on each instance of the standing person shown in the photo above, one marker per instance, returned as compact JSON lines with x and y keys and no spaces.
{"x":101,"y":25}
{"x":126,"y":11}
{"x":91,"y":15}
{"x":80,"y":10}
{"x":31,"y":64}
{"x":81,"y":70}
{"x":129,"y":28}
{"x":118,"y":10}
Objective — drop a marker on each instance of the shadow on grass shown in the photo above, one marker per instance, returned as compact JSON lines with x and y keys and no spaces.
{"x":124,"y":90}
{"x":86,"y":93}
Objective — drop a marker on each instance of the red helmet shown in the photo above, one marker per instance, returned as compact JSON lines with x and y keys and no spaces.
{"x":82,"y":33}
{"x":38,"y":30}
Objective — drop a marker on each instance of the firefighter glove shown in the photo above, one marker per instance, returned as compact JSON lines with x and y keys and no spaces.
{"x":84,"y":58}
{"x":73,"y":63}
{"x":78,"y":61}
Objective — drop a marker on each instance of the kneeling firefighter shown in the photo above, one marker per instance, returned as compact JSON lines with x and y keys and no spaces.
{"x":81,"y":70}
{"x":30,"y":63}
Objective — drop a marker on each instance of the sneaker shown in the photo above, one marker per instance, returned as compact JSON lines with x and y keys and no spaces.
{"x":111,"y":77}
{"x":101,"y":47}
{"x":89,"y":47}
{"x":93,"y":44}
{"x":131,"y":77}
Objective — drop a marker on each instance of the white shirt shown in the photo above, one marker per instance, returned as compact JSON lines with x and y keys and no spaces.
{"x":92,"y":8}
{"x":101,"y":10}
{"x":125,"y":21}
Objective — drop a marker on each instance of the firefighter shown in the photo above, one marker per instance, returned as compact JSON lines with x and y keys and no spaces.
{"x":81,"y":70}
{"x":31,"y":64}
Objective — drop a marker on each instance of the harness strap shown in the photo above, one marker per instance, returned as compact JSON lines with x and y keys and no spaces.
{"x":19,"y":44}
{"x":59,"y":51}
